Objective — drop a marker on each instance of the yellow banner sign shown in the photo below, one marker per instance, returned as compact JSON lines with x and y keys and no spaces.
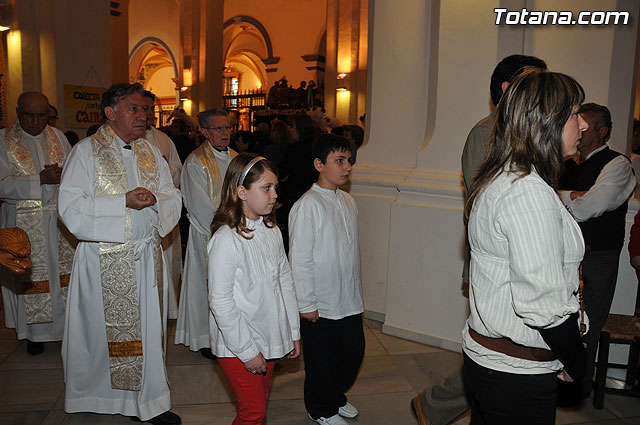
{"x":82,"y":105}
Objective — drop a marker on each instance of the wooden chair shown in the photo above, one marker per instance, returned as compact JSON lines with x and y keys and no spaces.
{"x":619,"y":329}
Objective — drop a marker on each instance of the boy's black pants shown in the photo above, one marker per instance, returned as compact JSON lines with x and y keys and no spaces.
{"x":333,"y":351}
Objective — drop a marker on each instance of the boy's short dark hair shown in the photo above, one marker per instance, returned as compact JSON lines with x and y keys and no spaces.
{"x":327,"y":143}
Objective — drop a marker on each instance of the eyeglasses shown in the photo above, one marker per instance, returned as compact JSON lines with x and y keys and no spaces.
{"x":219,"y":129}
{"x":35,"y":117}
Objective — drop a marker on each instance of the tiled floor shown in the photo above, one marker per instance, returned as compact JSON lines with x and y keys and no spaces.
{"x":32,"y":388}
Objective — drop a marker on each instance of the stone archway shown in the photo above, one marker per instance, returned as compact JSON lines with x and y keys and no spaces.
{"x":152,"y":64}
{"x":143,"y":47}
{"x":248,"y":52}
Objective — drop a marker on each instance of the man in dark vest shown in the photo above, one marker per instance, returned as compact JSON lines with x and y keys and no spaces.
{"x":595,"y":190}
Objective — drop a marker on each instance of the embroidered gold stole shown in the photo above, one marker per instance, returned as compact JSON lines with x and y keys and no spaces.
{"x":207,"y":160}
{"x":29,"y":217}
{"x":117,"y":266}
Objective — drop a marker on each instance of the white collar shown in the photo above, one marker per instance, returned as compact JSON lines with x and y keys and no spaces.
{"x":320,"y":189}
{"x":596,"y":151}
{"x":222,"y":155}
{"x":31,"y":137}
{"x":253,"y":224}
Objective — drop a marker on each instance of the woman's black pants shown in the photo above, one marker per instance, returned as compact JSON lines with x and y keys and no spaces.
{"x":500,"y":398}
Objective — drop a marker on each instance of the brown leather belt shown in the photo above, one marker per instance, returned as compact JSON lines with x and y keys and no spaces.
{"x":510,"y":348}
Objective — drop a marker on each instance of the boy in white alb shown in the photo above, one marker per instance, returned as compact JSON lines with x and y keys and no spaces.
{"x":325,"y":261}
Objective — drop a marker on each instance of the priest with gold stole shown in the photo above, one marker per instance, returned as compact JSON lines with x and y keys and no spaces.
{"x":118,"y":199}
{"x":202,"y":176}
{"x":32,"y":155}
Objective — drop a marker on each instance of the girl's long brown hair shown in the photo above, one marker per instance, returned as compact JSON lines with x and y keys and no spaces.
{"x":527,"y":130}
{"x":230,"y":210}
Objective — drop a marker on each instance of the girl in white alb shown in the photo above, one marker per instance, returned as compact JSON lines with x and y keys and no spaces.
{"x":254,"y":312}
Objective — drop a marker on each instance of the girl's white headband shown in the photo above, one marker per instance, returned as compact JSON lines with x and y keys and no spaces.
{"x":248,"y":168}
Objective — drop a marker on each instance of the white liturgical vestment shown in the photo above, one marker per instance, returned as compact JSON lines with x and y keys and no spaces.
{"x":192,"y":327}
{"x":171,"y":244}
{"x":168,"y":150}
{"x":95,"y":219}
{"x":13,"y":189}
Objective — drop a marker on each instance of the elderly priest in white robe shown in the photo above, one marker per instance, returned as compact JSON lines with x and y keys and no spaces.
{"x":32,"y":155}
{"x":117,"y":198}
{"x":202,"y":177}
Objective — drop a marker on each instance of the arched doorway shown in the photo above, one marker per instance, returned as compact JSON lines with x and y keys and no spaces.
{"x":247,"y":48}
{"x":247,"y":54}
{"x":152,"y":64}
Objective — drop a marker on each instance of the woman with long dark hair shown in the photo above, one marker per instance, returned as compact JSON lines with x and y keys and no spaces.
{"x":526,"y":248}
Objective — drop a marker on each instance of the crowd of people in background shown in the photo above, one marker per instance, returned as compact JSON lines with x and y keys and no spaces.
{"x":307,"y":96}
{"x":285,"y":140}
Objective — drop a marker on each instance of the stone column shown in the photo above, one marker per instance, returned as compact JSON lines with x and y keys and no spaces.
{"x":346,"y":56}
{"x":201,"y":38}
{"x":211,"y":54}
{"x":189,"y":54}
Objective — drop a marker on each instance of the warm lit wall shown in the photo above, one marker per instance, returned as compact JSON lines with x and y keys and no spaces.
{"x":13,"y":78}
{"x":249,"y":80}
{"x":56,"y":43}
{"x":119,"y":33}
{"x":158,"y":83}
{"x":155,"y":19}
{"x":29,"y":43}
{"x":81,"y":59}
{"x":295,"y":29}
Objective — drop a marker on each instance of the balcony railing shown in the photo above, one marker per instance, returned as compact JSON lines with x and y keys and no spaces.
{"x":251,"y":100}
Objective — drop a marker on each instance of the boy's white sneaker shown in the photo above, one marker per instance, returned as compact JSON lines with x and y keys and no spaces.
{"x":348,"y":411}
{"x":333,"y":420}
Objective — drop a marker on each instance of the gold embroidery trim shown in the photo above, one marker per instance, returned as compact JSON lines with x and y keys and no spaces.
{"x":64,"y":280}
{"x":36,"y":287}
{"x":117,"y":267}
{"x":147,"y":166}
{"x":18,"y":152}
{"x":29,"y":217}
{"x":125,"y":348}
{"x":204,"y":155}
{"x":54,"y":147}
